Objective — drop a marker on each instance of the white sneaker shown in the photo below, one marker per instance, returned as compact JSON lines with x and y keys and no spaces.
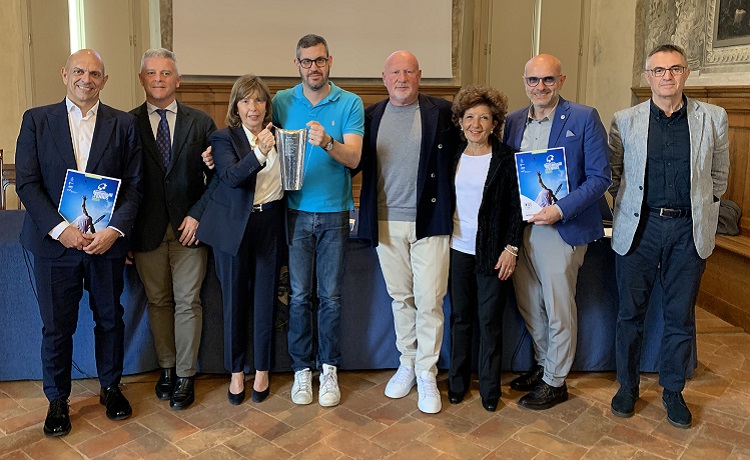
{"x":401,"y":383}
{"x":302,"y":388}
{"x":329,"y":394}
{"x":429,"y":395}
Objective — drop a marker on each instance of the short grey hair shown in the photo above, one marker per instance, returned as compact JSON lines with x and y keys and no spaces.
{"x":159,"y":53}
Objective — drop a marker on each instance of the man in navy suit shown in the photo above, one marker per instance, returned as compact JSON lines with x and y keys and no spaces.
{"x":169,"y":260}
{"x":83,"y":134}
{"x":406,"y":213}
{"x":555,"y":244}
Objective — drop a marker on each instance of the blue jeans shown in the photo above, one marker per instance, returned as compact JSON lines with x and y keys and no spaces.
{"x":317,"y":246}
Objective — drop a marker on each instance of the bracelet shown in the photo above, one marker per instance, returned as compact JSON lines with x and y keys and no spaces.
{"x":514,"y":254}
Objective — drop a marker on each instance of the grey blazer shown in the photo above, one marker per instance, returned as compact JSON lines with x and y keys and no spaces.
{"x":709,"y":165}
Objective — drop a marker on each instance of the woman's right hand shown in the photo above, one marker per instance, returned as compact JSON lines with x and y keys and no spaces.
{"x":208,"y":158}
{"x":266,"y":140}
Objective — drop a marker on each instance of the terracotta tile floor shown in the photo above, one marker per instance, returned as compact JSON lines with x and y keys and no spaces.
{"x":368,"y":425}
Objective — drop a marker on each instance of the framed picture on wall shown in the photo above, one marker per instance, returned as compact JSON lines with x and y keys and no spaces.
{"x":731,"y":23}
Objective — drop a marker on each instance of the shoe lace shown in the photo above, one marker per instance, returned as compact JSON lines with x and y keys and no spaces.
{"x":329,"y":382}
{"x":58,"y":407}
{"x":403,"y":376}
{"x":428,"y":388}
{"x":302,"y":380}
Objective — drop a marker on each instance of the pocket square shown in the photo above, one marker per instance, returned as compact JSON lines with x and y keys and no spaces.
{"x":570,"y":134}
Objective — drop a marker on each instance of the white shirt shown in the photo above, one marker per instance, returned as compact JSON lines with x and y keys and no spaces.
{"x":268,"y":180}
{"x":155,"y":118}
{"x":470,"y":179}
{"x":81,"y":133}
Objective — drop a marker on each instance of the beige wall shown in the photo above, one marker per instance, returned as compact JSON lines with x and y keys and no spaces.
{"x":13,"y":88}
{"x":611,"y":53}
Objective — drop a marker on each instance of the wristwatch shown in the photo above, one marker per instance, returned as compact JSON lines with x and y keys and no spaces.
{"x":329,"y":145}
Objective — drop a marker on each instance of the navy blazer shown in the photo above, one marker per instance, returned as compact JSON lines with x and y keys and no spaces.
{"x":44,"y":152}
{"x":231,"y":203}
{"x":180,"y":190}
{"x":579,"y":129}
{"x":434,"y":179}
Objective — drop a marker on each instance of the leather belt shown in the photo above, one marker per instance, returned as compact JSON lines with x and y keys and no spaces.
{"x":266,"y":206}
{"x":670,"y":213}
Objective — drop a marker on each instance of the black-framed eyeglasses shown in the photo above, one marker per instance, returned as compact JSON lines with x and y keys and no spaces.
{"x":307,"y":63}
{"x":549,"y":80}
{"x":674,"y":70}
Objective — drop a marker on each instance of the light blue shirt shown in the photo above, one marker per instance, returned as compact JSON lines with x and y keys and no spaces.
{"x":326,"y":183}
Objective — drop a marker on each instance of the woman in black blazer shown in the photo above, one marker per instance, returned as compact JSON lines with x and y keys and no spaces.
{"x":486,"y":233}
{"x":244,"y":222}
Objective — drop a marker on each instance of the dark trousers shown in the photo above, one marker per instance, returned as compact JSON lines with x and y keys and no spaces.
{"x":482,"y":298}
{"x":60,"y":283}
{"x":663,"y":252}
{"x":248,"y":287}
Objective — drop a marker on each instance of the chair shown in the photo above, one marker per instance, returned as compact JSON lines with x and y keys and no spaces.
{"x":8,"y":178}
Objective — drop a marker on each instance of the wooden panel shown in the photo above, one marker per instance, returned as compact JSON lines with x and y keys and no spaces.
{"x":213,"y":98}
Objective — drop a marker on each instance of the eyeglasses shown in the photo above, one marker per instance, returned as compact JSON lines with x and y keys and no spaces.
{"x":660,"y":71}
{"x":307,"y":63}
{"x":549,"y":80}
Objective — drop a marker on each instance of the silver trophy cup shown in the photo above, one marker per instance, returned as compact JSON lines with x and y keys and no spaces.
{"x":290,"y":145}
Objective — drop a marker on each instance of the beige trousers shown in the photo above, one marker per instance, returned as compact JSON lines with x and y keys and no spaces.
{"x":416,"y":277}
{"x":172,"y":275}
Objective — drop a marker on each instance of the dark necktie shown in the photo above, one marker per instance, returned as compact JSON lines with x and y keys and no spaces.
{"x":163,"y":142}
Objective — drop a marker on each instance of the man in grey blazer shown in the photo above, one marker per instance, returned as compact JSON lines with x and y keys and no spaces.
{"x":670,"y":161}
{"x":170,"y":262}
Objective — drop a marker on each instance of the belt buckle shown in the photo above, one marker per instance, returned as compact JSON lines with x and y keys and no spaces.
{"x":661,"y":213}
{"x":258,"y":207}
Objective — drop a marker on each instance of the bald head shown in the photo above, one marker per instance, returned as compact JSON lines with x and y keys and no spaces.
{"x":546,"y":61}
{"x":401,"y":77}
{"x":85,"y":52}
{"x":543,"y":79}
{"x":84,"y":76}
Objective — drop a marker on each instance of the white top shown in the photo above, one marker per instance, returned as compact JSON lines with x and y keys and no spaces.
{"x":154,"y":118}
{"x":470,"y":179}
{"x":268,"y":180}
{"x":81,"y":131}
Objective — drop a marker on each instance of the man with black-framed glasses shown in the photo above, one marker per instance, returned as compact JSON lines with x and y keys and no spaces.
{"x":670,"y":162}
{"x":555,"y":244}
{"x":318,"y":217}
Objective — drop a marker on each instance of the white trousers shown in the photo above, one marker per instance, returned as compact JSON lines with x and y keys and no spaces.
{"x":416,"y":277}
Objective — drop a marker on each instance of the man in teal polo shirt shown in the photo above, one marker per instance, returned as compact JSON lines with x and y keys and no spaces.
{"x":319,"y":214}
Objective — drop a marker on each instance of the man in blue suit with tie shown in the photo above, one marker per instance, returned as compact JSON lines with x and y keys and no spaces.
{"x":555,"y":244}
{"x":83,"y":134}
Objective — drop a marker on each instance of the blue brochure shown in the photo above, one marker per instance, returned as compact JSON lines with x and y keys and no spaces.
{"x":542,"y":179}
{"x":88,"y":200}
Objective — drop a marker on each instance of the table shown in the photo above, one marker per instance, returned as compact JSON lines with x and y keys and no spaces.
{"x":368,"y":339}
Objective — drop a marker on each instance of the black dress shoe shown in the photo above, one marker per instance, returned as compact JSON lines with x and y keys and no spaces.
{"x":236,"y":399}
{"x":118,"y":407}
{"x":57,"y":422}
{"x":544,"y":396}
{"x":678,"y":413}
{"x":490,"y":404}
{"x":183,"y":395}
{"x":529,"y":380}
{"x":455,"y":397}
{"x":260,"y":396}
{"x":623,"y":403}
{"x":165,"y":384}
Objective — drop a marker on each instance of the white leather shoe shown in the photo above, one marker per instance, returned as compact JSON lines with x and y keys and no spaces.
{"x":401,"y":383}
{"x":302,"y":388}
{"x":429,"y":395}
